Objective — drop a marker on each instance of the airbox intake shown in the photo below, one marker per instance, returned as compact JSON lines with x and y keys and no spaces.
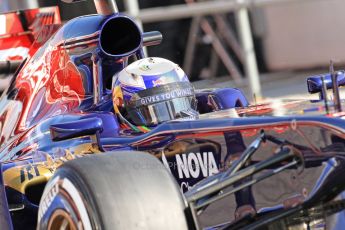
{"x":119,"y":37}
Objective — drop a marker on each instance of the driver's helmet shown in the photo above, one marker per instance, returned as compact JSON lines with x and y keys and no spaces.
{"x":153,"y":90}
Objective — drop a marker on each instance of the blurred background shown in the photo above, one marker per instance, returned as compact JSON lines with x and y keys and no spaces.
{"x":265,"y":47}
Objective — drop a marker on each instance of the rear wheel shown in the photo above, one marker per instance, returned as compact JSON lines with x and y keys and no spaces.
{"x":127,"y":190}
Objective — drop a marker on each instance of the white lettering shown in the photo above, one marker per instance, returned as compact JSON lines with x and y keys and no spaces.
{"x":166,"y":96}
{"x":182,"y":166}
{"x":185,"y":186}
{"x":149,"y":100}
{"x":193,"y":165}
{"x":212,"y":165}
{"x":190,"y":165}
{"x":203,"y":163}
{"x":48,"y":200}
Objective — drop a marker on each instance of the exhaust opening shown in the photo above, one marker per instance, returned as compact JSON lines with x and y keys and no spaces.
{"x":120,"y":36}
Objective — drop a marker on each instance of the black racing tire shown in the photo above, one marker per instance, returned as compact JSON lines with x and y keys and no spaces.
{"x":113,"y":190}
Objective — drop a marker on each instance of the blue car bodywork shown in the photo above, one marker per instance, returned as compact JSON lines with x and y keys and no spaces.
{"x":41,"y":131}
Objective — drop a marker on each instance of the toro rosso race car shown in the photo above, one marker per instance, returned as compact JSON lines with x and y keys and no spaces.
{"x":94,"y":135}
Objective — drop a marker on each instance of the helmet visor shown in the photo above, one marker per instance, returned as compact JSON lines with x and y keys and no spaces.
{"x":164,"y":103}
{"x":152,"y":114}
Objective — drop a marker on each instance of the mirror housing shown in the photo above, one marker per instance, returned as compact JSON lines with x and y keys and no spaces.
{"x":84,"y":127}
{"x":314,"y":83}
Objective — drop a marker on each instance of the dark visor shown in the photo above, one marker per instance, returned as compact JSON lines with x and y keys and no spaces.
{"x":164,"y":103}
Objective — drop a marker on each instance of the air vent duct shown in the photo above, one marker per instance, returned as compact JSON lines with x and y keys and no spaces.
{"x":119,"y":37}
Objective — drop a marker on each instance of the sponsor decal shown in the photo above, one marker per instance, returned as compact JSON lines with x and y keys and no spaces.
{"x":166,"y":96}
{"x":190,"y":168}
{"x":158,"y":82}
{"x":52,"y":191}
{"x":193,"y":165}
{"x":145,"y":67}
{"x":166,"y":79}
{"x":169,"y":77}
{"x":191,"y":160}
{"x":28,"y":172}
{"x":185,"y":186}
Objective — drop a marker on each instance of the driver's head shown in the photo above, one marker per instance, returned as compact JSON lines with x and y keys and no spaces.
{"x":153,"y":90}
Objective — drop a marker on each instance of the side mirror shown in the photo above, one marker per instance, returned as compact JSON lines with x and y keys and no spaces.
{"x":84,"y":127}
{"x":314,"y":83}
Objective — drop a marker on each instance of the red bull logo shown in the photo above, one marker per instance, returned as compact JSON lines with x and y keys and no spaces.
{"x":158,"y":82}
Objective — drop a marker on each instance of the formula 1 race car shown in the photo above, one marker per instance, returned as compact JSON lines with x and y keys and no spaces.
{"x":69,"y":160}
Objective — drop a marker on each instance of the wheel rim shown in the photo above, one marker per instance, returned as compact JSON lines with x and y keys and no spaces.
{"x":61,"y":220}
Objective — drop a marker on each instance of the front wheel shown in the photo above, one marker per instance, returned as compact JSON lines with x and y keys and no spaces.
{"x":114,"y":190}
